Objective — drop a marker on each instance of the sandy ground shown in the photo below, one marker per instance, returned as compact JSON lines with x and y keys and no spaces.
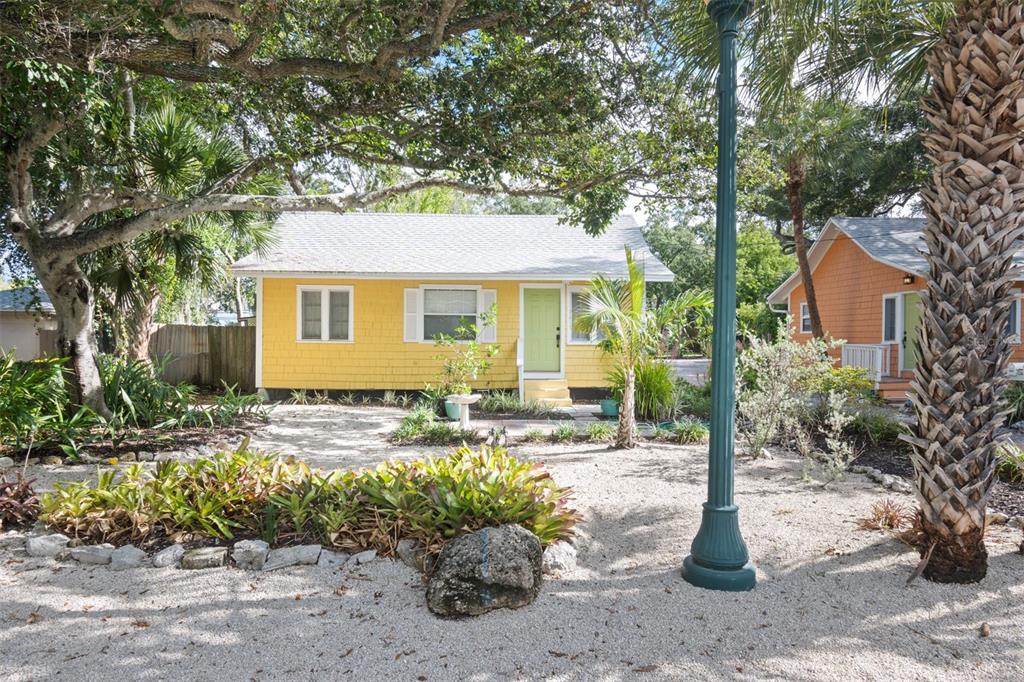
{"x":831,"y":601}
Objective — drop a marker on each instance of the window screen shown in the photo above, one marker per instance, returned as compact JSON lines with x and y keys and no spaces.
{"x":444,"y":310}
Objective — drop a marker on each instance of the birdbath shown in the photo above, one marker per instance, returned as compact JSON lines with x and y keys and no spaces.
{"x":463,"y":401}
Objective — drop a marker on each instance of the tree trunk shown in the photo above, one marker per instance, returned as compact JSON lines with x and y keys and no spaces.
{"x":72,"y":297}
{"x":139,"y":327}
{"x":796,"y":174}
{"x":973,"y":203}
{"x":626,"y":435}
{"x":238,"y":300}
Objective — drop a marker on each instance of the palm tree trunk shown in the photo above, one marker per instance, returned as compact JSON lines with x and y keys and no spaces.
{"x":140,"y":324}
{"x":626,"y":435}
{"x":973,"y":202}
{"x":796,"y":174}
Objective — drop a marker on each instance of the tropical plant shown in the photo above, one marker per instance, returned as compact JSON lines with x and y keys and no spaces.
{"x":1014,"y":397}
{"x":690,"y":400}
{"x":19,"y":504}
{"x":564,"y":432}
{"x":969,"y":55}
{"x":688,"y":431}
{"x":888,"y":515}
{"x":616,"y":310}
{"x":509,"y":402}
{"x":421,"y":425}
{"x":600,"y":431}
{"x":246,"y":494}
{"x":655,"y":388}
{"x":31,"y":393}
{"x":1010,"y":464}
{"x":878,"y":425}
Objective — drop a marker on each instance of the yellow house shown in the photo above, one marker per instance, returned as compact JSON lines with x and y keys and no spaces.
{"x":353,"y":302}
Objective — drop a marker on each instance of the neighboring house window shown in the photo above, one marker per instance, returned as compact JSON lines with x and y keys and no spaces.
{"x":1013,"y":321}
{"x":805,"y":319}
{"x":577,"y":306}
{"x":889,"y":319}
{"x":325,"y":313}
{"x":431,"y":311}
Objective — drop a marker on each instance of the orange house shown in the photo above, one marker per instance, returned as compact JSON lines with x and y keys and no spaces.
{"x":868,"y":273}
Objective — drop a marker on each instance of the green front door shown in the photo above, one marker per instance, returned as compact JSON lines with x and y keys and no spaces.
{"x":542,"y":311}
{"x":911,"y":320}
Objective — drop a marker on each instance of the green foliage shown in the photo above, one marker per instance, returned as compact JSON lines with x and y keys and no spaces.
{"x":761,"y":264}
{"x":509,"y":402}
{"x":534,"y":436}
{"x":1013,"y":396}
{"x":246,"y":494}
{"x":878,"y":426}
{"x":655,"y":388}
{"x":423,"y":426}
{"x":19,"y":504}
{"x":600,"y":431}
{"x":757,"y":319}
{"x":692,"y":400}
{"x":464,"y":359}
{"x":1010,"y":464}
{"x":30,"y":394}
{"x":688,"y":431}
{"x":853,"y":382}
{"x":564,"y":432}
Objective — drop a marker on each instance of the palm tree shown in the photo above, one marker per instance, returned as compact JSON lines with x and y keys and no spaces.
{"x":615,"y":308}
{"x":969,"y":54}
{"x":797,"y":139}
{"x":175,"y":156}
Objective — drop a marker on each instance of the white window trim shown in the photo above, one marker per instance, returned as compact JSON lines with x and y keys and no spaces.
{"x":1015,"y":336}
{"x":898,"y":322}
{"x":422,"y":312}
{"x":325,"y":315}
{"x":576,"y":289}
{"x":805,"y":312}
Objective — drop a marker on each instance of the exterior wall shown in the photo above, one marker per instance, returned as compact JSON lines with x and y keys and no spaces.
{"x":850,"y":285}
{"x":379,"y":357}
{"x":20,"y":332}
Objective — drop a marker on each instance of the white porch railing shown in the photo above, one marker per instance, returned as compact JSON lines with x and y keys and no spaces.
{"x":519,"y":370}
{"x":872,"y":357}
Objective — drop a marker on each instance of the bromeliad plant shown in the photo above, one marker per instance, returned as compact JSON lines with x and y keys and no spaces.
{"x":18,"y":502}
{"x":245,"y":494}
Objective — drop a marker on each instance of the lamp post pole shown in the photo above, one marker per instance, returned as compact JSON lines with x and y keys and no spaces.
{"x":718,"y":557}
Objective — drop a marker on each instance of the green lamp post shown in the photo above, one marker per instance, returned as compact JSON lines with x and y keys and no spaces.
{"x":718,"y":556}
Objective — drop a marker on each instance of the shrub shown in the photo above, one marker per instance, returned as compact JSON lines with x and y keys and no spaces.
{"x":509,"y":402}
{"x":244,"y":494}
{"x":1010,"y":463}
{"x":18,"y":502}
{"x":534,"y":436}
{"x":30,"y":392}
{"x":757,"y":320}
{"x":692,"y":400}
{"x":1014,"y":398}
{"x":888,"y":514}
{"x":851,"y":382}
{"x":422,"y":426}
{"x":563,"y":432}
{"x":655,"y":388}
{"x":878,"y":425}
{"x":688,"y":431}
{"x":600,"y":431}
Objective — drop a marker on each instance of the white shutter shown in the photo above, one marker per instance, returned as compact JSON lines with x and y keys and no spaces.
{"x":412,"y":315}
{"x":485,"y":299}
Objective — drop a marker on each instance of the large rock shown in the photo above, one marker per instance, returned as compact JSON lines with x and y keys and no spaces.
{"x":205,"y":557}
{"x":6,"y":462}
{"x":98,"y":555}
{"x":168,"y":556}
{"x":46,"y":545}
{"x":250,"y":554}
{"x":127,"y":556}
{"x":282,"y":557}
{"x":332,"y":559}
{"x":559,"y":558}
{"x":490,"y":569}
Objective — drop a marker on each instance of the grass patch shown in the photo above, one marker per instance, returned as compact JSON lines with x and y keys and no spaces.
{"x":246,"y":494}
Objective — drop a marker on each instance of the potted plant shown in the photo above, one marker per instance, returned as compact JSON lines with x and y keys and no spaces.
{"x":464,"y":360}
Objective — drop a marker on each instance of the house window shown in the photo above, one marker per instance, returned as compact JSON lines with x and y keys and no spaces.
{"x":1013,"y":321}
{"x":325,"y":314}
{"x":889,"y":319}
{"x":577,"y":306}
{"x":446,"y":310}
{"x":431,"y":311}
{"x":805,"y":319}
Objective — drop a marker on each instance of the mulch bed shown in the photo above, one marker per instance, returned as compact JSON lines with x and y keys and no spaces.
{"x":1007,"y":498}
{"x":155,"y":440}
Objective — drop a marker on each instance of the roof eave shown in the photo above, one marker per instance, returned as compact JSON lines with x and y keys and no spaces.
{"x":505,"y":276}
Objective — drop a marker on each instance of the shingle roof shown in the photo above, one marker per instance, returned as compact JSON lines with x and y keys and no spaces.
{"x":25,"y":299}
{"x":894,"y":241}
{"x":431,"y":245}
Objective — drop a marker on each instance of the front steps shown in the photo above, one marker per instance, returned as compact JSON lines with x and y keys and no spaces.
{"x":551,"y":392}
{"x":893,"y":390}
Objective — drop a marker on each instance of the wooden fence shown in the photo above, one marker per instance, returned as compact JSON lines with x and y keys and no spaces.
{"x":207,"y":355}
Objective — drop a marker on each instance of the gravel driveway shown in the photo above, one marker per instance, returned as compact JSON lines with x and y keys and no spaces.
{"x":831,"y":601}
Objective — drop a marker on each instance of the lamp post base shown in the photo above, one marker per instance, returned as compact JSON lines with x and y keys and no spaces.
{"x":742,"y":579}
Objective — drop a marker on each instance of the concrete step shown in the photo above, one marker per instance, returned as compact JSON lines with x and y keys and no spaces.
{"x":553,"y":392}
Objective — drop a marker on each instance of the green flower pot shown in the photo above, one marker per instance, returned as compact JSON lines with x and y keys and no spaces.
{"x":452,"y":410}
{"x":610,"y":408}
